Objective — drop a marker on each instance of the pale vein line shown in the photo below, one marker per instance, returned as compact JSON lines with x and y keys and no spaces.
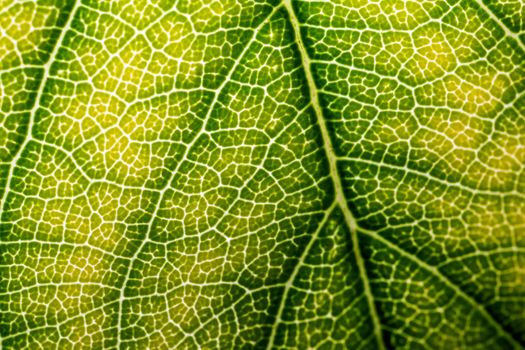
{"x":295,"y":272}
{"x":163,"y":192}
{"x":503,"y":26}
{"x":433,"y":178}
{"x":436,"y":272}
{"x":340,"y":197}
{"x":28,"y":136}
{"x":45,"y":76}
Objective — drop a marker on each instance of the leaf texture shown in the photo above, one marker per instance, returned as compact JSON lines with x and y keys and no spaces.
{"x":295,"y":174}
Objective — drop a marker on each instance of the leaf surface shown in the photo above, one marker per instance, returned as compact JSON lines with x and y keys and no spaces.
{"x":261,"y":174}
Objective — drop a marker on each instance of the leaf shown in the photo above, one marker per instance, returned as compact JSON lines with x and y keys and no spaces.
{"x":262,"y":174}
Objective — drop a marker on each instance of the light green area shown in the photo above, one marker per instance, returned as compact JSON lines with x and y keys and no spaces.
{"x":256,"y":174}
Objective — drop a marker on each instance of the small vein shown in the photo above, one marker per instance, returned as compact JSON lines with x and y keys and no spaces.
{"x":433,"y":178}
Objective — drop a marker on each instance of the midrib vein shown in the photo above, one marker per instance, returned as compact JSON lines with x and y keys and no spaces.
{"x":339,"y":193}
{"x":45,"y":75}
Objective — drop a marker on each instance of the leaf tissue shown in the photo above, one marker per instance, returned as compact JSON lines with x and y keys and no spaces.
{"x":262,"y":174}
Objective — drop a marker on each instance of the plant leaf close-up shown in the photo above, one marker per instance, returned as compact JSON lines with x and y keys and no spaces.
{"x":262,"y":174}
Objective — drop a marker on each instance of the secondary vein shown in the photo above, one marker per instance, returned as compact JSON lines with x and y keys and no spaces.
{"x":434,"y":270}
{"x":502,"y":25}
{"x":38,"y":97}
{"x":295,"y":272}
{"x":176,"y":170}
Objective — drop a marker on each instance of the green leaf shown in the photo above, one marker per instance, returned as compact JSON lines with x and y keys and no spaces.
{"x":300,"y":174}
